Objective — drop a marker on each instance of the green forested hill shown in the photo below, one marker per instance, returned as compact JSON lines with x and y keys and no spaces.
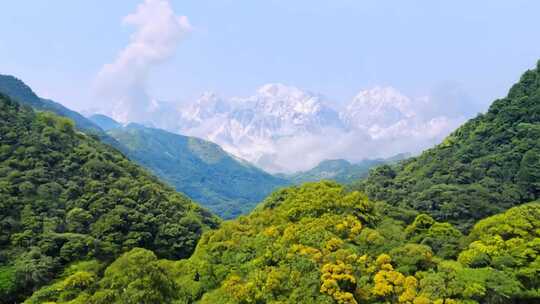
{"x":66,"y":197}
{"x":224,"y":184}
{"x":317,"y":243}
{"x":314,"y":243}
{"x":489,"y":164}
{"x":201,"y":169}
{"x":340,"y":170}
{"x":18,"y":90}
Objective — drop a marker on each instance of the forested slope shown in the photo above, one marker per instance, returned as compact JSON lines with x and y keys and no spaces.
{"x":65,"y":197}
{"x":201,"y":169}
{"x":489,"y":164}
{"x":225,"y":185}
{"x":318,"y":243}
{"x":19,"y":91}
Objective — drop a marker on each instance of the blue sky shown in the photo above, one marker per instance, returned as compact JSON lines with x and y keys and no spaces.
{"x":334,"y":47}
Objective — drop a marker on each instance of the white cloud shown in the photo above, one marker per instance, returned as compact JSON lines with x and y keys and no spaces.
{"x":158,"y":31}
{"x":303,"y":152}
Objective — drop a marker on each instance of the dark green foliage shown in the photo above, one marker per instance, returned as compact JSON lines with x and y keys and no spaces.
{"x":7,"y":281}
{"x":64,"y":196}
{"x":489,"y":164}
{"x":202,"y":170}
{"x":226,"y":185}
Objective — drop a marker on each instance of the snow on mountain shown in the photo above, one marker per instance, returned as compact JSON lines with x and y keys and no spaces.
{"x":379,"y":107}
{"x":280,"y":125}
{"x":206,"y":107}
{"x":249,"y":127}
{"x":385,"y":114}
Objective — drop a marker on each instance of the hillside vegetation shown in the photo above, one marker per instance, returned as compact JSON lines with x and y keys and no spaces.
{"x":66,"y":197}
{"x":340,"y":170}
{"x":489,"y":164}
{"x":458,"y":224}
{"x":19,"y":91}
{"x":201,"y":169}
{"x":319,"y":244}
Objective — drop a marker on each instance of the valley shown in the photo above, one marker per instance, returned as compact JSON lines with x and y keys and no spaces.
{"x":81,"y":223}
{"x":269,"y":152}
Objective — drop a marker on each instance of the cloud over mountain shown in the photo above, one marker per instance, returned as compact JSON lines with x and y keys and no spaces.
{"x":158,"y":31}
{"x":283,"y":128}
{"x":281,"y":124}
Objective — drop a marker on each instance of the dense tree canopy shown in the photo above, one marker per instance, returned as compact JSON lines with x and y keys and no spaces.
{"x":489,"y":164}
{"x":319,"y":244}
{"x":64,"y":197}
{"x":81,"y":224}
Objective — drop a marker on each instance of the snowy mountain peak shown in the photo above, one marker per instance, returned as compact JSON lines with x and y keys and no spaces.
{"x":284,"y":101}
{"x":381,"y":97}
{"x":378,"y":107}
{"x":278,"y":122}
{"x":208,"y":105}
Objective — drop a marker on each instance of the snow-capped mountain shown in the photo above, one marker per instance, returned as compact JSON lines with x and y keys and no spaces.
{"x":385,"y":114}
{"x":280,"y":124}
{"x":379,"y":107}
{"x":208,"y":106}
{"x":275,"y":110}
{"x":249,"y":127}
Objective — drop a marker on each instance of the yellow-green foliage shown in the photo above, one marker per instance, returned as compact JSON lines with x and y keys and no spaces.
{"x":317,"y":243}
{"x":508,"y":240}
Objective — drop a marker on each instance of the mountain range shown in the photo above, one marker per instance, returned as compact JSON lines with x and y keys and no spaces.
{"x":18,"y":90}
{"x":459,"y":223}
{"x":279,"y":122}
{"x":220,"y":181}
{"x":225,"y":184}
{"x":341,"y":170}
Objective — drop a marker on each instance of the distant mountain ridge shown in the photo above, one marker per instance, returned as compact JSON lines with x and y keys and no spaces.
{"x":105,"y":122}
{"x":271,"y":127}
{"x":201,"y":169}
{"x":341,"y":170}
{"x":18,"y":90}
{"x":225,"y":184}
